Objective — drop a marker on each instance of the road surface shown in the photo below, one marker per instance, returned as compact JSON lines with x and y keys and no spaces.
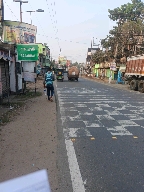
{"x":101,"y":137}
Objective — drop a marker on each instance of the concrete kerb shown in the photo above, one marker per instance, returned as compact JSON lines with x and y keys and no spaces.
{"x":64,"y":179}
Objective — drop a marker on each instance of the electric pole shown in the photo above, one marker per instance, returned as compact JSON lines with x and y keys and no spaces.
{"x":21,"y":2}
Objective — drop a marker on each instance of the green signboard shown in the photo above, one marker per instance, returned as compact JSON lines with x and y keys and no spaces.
{"x":27,"y":52}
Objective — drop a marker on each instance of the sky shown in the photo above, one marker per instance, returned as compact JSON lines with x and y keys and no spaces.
{"x":69,"y":25}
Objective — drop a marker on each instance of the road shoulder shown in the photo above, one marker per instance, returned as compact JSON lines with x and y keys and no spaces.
{"x":29,"y":142}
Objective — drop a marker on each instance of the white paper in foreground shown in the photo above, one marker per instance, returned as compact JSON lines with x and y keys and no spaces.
{"x":34,"y":182}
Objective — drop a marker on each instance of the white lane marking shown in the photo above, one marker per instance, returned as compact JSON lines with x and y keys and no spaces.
{"x":120,"y":109}
{"x":76,"y":178}
{"x":134,"y":117}
{"x":102,"y":99}
{"x":127,"y":123}
{"x":75,"y":118}
{"x":93,"y":124}
{"x":85,"y":113}
{"x":96,"y":109}
{"x":76,"y":132}
{"x":112,"y":112}
{"x":81,"y":105}
{"x":119,"y":130}
{"x":84,"y":96}
{"x":63,"y":119}
{"x":107,"y":117}
{"x":62,"y":113}
{"x":139,"y":112}
{"x":69,"y":102}
{"x":104,"y":105}
{"x":67,"y":108}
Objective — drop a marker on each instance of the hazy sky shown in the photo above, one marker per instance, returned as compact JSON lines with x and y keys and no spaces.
{"x":77,"y":21}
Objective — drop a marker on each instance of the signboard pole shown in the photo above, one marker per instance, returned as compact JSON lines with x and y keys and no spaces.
{"x":35,"y":85}
{"x":22,"y":78}
{"x":6,"y":81}
{"x":35,"y":78}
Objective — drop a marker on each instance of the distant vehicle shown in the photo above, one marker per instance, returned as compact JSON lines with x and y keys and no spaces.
{"x":60,"y":74}
{"x":73,"y":73}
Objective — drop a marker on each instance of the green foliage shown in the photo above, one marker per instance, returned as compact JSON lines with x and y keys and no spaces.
{"x":75,"y":64}
{"x":98,"y":57}
{"x":130,"y":26}
{"x":130,"y":18}
{"x":130,"y":11}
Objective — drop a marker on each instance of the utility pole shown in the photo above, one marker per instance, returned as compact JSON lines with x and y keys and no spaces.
{"x":30,"y":15}
{"x":59,"y":56}
{"x":39,"y":11}
{"x":21,"y":12}
{"x":21,"y":2}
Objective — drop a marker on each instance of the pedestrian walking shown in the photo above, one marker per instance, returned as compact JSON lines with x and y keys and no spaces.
{"x":48,"y":83}
{"x":103,"y":75}
{"x":110,"y":78}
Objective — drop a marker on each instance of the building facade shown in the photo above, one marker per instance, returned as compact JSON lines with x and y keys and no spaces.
{"x":44,"y":55}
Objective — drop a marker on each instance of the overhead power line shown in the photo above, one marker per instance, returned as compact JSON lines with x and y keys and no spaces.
{"x":54,"y":27}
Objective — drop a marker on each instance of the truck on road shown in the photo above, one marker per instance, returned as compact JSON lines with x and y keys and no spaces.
{"x":135,"y":72}
{"x":73,"y":73}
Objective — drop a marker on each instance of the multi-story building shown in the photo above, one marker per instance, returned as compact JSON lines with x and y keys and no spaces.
{"x":44,"y":55}
{"x":89,"y":63}
{"x":90,"y":52}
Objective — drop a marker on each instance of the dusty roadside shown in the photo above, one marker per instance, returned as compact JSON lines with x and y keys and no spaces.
{"x":29,"y":142}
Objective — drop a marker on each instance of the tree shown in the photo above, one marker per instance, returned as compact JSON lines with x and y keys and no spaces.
{"x":129,"y":31}
{"x":128,"y":12}
{"x":98,"y":57}
{"x":75,"y":64}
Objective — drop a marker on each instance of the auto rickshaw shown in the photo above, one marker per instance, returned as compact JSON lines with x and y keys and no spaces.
{"x":60,"y":74}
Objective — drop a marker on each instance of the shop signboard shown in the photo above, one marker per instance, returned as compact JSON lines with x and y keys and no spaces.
{"x":29,"y":77}
{"x":113,"y":66}
{"x":27,"y":52}
{"x":29,"y":66}
{"x":19,"y":33}
{"x":63,"y":60}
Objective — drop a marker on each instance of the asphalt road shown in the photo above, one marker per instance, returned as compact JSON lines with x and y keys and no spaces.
{"x":101,"y":137}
